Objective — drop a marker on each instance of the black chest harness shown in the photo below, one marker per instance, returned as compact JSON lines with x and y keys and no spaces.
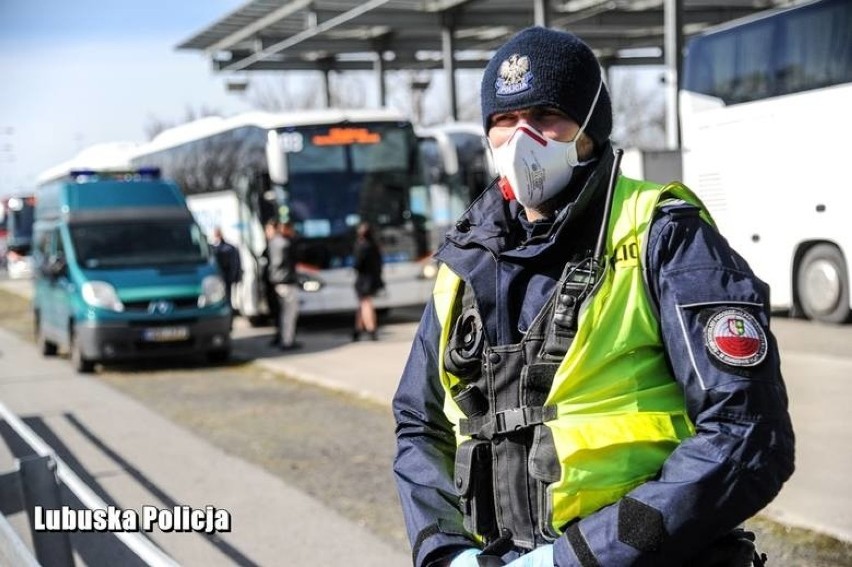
{"x":502,"y":472}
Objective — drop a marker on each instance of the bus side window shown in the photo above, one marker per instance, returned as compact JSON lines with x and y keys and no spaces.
{"x":59,"y":246}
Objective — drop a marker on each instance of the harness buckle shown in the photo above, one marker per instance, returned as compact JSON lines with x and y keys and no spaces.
{"x":511,"y":420}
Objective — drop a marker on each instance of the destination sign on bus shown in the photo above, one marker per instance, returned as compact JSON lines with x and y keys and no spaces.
{"x":339,"y":136}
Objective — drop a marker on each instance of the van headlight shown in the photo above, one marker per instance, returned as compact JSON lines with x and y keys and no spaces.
{"x":212,"y":291}
{"x":101,"y":294}
{"x":310,"y":284}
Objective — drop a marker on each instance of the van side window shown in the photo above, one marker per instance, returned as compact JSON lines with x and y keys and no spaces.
{"x":59,"y":247}
{"x":43,"y":245}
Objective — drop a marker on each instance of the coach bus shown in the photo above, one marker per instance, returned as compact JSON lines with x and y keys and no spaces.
{"x":325,"y":171}
{"x":457,"y":167}
{"x":765,"y":118}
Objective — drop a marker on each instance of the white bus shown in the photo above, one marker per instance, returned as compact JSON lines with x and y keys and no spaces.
{"x":325,"y":171}
{"x":765,"y":116}
{"x":457,"y":167}
{"x":109,"y":156}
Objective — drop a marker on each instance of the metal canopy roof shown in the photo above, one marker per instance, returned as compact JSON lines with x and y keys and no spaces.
{"x":412,"y":34}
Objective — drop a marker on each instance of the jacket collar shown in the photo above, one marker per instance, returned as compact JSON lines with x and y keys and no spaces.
{"x":497,"y":225}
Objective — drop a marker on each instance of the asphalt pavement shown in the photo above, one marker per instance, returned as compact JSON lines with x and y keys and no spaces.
{"x":272,"y":519}
{"x":139,"y":458}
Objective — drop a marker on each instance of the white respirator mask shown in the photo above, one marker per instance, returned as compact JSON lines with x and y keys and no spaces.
{"x":534,"y":169}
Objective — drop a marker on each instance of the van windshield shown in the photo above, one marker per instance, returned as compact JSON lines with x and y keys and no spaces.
{"x":138,"y":243}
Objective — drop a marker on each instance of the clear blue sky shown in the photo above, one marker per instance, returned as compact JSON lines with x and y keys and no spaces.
{"x":78,"y":72}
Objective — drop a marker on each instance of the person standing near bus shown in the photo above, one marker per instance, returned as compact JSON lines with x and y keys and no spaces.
{"x":283,"y":278}
{"x":368,"y":281}
{"x":593,"y":382}
{"x":228,"y":259}
{"x":270,"y":230}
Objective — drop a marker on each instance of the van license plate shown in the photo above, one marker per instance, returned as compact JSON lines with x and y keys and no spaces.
{"x":166,"y":334}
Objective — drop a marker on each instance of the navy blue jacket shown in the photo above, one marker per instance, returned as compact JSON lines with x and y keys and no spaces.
{"x":743,"y":448}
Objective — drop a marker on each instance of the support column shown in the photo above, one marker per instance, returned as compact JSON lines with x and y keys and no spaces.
{"x":673,"y":54}
{"x":326,"y":86}
{"x":379,"y":68}
{"x":541,"y":17}
{"x":448,"y":47}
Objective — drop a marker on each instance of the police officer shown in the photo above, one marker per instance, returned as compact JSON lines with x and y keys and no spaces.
{"x":594,"y":382}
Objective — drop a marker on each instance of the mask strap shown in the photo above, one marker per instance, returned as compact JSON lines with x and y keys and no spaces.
{"x":591,"y":110}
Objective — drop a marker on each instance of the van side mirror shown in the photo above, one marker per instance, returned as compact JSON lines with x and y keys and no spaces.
{"x":277,"y":146}
{"x":55,"y":267}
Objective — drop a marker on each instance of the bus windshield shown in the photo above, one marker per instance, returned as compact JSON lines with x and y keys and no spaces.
{"x":142,"y":243}
{"x":340,"y":175}
{"x":757,"y":94}
{"x":325,"y":172}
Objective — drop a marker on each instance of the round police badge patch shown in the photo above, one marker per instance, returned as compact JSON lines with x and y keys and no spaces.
{"x":735,"y":337}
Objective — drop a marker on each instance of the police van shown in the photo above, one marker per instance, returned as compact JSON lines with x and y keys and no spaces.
{"x":124,"y":272}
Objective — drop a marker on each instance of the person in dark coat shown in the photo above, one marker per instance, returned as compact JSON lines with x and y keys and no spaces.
{"x":368,"y":281}
{"x":228,"y":258}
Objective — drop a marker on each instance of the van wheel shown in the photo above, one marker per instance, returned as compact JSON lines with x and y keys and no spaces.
{"x":80,"y":363}
{"x":823,"y":285}
{"x":45,"y":347}
{"x":219,"y":356}
{"x":258,"y":320}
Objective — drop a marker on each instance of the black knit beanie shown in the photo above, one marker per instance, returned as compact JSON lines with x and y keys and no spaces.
{"x":545,"y":67}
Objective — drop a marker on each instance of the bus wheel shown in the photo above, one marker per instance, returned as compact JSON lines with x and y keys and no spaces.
{"x":80,"y":363}
{"x":823,"y":285}
{"x":45,"y":347}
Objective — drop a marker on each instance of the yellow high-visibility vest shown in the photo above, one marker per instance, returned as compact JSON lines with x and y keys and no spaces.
{"x":619,"y":411}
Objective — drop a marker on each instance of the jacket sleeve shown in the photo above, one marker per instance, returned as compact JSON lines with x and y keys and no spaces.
{"x":425,"y":453}
{"x":358,"y":257}
{"x":742,"y":450}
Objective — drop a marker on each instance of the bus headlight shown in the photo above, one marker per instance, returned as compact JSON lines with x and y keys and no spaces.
{"x":429,"y":270}
{"x":310,"y":284}
{"x":212,"y":291}
{"x":101,"y":294}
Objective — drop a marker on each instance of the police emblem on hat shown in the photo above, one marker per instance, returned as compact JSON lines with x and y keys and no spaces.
{"x":515,"y":75}
{"x":735,"y":337}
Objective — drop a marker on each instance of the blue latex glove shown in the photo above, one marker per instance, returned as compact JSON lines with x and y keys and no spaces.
{"x":539,"y":557}
{"x":466,"y":558}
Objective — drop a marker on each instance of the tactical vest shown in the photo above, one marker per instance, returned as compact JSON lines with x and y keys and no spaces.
{"x":546,"y":433}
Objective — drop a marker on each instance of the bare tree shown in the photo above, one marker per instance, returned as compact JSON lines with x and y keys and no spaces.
{"x":155,"y":125}
{"x":639,"y":113}
{"x":349,"y":90}
{"x":423,"y":95}
{"x":469,"y":103}
{"x":288,"y":92}
{"x":305,"y":91}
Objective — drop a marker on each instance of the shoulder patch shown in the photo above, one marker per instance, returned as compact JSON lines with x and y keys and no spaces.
{"x":735,"y":337}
